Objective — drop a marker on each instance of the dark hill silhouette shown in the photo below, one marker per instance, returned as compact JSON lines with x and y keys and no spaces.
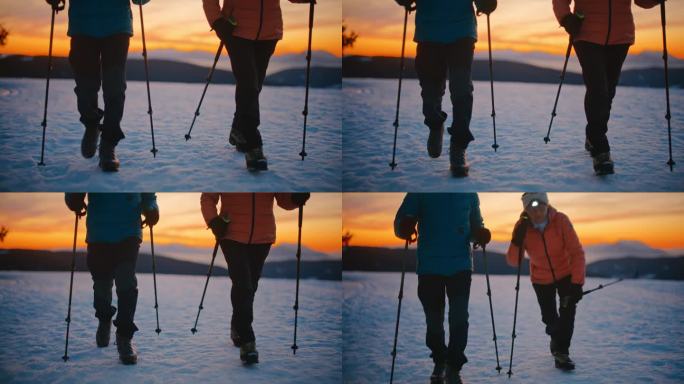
{"x":166,"y":71}
{"x":37,"y":260}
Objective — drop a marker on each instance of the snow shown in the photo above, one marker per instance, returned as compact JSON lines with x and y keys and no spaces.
{"x":205,"y":163}
{"x":637,"y":132}
{"x":33,"y":307}
{"x":616,"y":339}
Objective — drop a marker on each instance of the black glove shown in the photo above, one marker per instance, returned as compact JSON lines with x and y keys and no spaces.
{"x":218,"y":226}
{"x":482,"y":236}
{"x":300,"y":198}
{"x":572,"y":23}
{"x":485,"y":6}
{"x":407,"y":228}
{"x":223,"y":28}
{"x":57,"y":5}
{"x":151,"y":217}
{"x":76,"y":202}
{"x":520,"y":230}
{"x":576,"y":292}
{"x":405,"y":3}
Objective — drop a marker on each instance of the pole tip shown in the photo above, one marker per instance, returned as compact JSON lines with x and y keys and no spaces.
{"x":393,"y":165}
{"x":187,"y":137}
{"x":671,"y":163}
{"x":193,"y":330}
{"x":302,"y":154}
{"x":547,"y":139}
{"x":41,"y":164}
{"x":158,"y":331}
{"x":495,"y":146}
{"x":65,"y":358}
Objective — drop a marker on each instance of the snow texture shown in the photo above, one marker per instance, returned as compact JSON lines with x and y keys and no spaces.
{"x":627,"y":333}
{"x":637,"y":134}
{"x":204,"y":163}
{"x":33,"y":307}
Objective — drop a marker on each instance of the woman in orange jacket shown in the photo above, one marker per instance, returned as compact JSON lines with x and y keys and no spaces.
{"x":602,"y":31}
{"x":250,"y":30}
{"x":557,"y":266}
{"x":245,"y":228}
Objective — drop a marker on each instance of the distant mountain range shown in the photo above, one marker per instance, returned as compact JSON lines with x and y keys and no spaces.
{"x":505,"y":70}
{"x":358,"y":258}
{"x":168,"y":71}
{"x":38,"y":260}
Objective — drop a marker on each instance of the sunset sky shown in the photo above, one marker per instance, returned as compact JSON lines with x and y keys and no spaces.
{"x":652,"y":218}
{"x":169,"y":24}
{"x":520,"y":25}
{"x":42,"y":221}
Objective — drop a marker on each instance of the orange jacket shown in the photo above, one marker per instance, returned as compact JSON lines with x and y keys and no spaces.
{"x":606,"y":22}
{"x":563,"y":246}
{"x":256,"y":19}
{"x":251,"y":214}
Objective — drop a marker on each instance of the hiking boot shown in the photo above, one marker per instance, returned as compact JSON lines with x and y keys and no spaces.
{"x":434,"y":142}
{"x":248,"y":353}
{"x":103,"y":333}
{"x":127,"y":353}
{"x":237,"y":139}
{"x":108,"y":160}
{"x":553,"y":347}
{"x":563,"y":361}
{"x":235,"y":337}
{"x":453,"y":375}
{"x":90,"y":139}
{"x":437,"y":376}
{"x":255,"y":160}
{"x":603,"y":165}
{"x":458,"y":164}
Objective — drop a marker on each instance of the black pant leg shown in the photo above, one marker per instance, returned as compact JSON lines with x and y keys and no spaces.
{"x":460,"y":61}
{"x":114,"y":55}
{"x":126,"y":256}
{"x":242,"y":291}
{"x":431,"y":67}
{"x":243,"y":63}
{"x":546,"y":297}
{"x":101,"y":269}
{"x":615,"y":57}
{"x":458,"y":291}
{"x":431,"y":290}
{"x":84,"y":57}
{"x":597,"y":99}
{"x":567,"y":310}
{"x":263,"y":51}
{"x":258,"y":254}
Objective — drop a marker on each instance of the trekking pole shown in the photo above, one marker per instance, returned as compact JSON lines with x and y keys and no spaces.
{"x":393,"y":164}
{"x":206,"y":85}
{"x":154,"y":278}
{"x":147,"y":80}
{"x":491,"y":308}
{"x":305,"y":112}
{"x":670,"y":162}
{"x":213,"y":256}
{"x":71,"y":288}
{"x":562,"y":78}
{"x":491,"y":85}
{"x":55,"y":9}
{"x":299,"y":257}
{"x":601,"y":286}
{"x":515,"y":312}
{"x":401,"y":296}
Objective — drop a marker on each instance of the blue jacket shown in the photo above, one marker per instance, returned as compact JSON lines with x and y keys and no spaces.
{"x":114,"y":217}
{"x":445,"y":223}
{"x":101,"y":18}
{"x":444,"y":21}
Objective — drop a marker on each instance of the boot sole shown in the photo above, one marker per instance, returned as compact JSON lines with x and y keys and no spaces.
{"x":260,"y":166}
{"x":564,"y":367}
{"x":129,"y":360}
{"x":109,"y":168}
{"x":250,"y":359}
{"x":460,"y":172}
{"x":604,"y":170}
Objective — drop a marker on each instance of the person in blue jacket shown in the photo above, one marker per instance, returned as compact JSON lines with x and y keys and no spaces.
{"x":100,"y":32}
{"x":114,"y":234}
{"x":446,"y":32}
{"x":447,"y":224}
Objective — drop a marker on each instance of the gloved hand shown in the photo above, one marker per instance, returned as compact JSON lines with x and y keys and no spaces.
{"x":57,"y":5}
{"x":482,"y":236}
{"x":407,"y":228}
{"x":300,"y":198}
{"x":520,"y":230}
{"x":405,"y":3}
{"x":218,"y":226}
{"x":76,"y":202}
{"x":151,"y":217}
{"x":303,"y":1}
{"x":224,"y":28}
{"x":576,"y":292}
{"x":572,"y":23}
{"x":485,"y":6}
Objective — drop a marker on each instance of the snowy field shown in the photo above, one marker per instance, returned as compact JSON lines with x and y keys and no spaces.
{"x":628,"y":333}
{"x":205,"y":163}
{"x":33,"y":307}
{"x":637,"y":133}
